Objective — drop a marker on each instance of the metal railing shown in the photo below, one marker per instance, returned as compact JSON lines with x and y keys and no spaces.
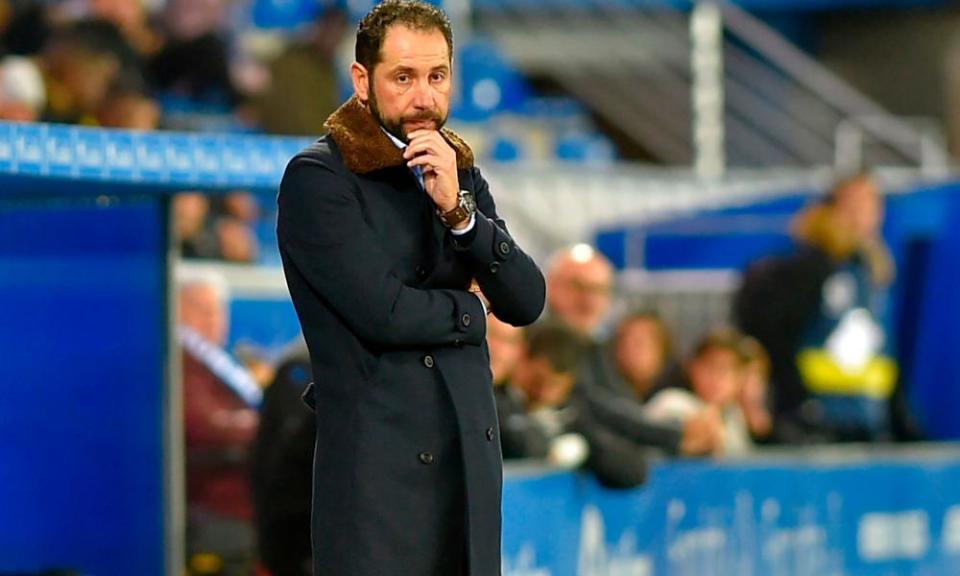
{"x":643,"y":69}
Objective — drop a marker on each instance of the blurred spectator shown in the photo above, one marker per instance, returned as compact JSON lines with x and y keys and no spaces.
{"x":580,"y":288}
{"x":25,"y":27}
{"x":715,"y":373}
{"x":194,"y":61}
{"x":547,"y":373}
{"x":22,"y":90}
{"x":190,"y":212}
{"x":283,"y":469}
{"x":644,"y":354}
{"x":242,"y":205}
{"x":819,"y":311}
{"x":131,"y":18}
{"x":220,"y":422}
{"x":236,"y":239}
{"x":617,"y":380}
{"x":520,"y":436}
{"x":753,"y":393}
{"x":217,"y":231}
{"x":304,"y":89}
{"x":239,"y":213}
{"x":83,"y":62}
{"x":129,"y":109}
{"x":6,"y":15}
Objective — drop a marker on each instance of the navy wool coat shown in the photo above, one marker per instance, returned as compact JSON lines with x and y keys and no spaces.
{"x":407,"y":465}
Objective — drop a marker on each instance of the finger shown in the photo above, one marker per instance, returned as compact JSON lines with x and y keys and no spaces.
{"x":419,"y":147}
{"x":428,"y":137}
{"x":428,"y":140}
{"x":425,"y":160}
{"x":423,"y":132}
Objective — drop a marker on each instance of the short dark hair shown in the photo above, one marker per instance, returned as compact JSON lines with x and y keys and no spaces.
{"x":414,"y":14}
{"x":558,"y":344}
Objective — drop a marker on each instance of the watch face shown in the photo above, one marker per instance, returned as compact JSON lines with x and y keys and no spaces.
{"x":467,"y":202}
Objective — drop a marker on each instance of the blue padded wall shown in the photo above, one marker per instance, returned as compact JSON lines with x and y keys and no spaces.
{"x":83,"y":342}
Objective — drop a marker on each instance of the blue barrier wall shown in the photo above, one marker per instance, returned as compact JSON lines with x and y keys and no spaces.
{"x":83,"y":341}
{"x":840,"y":514}
{"x":84,"y":330}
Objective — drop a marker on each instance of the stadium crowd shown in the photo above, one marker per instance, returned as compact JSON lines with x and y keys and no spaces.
{"x":189,"y":65}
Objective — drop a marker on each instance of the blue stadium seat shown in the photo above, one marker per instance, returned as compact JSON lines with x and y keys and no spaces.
{"x":585,"y":148}
{"x":285,"y":14}
{"x":490,"y":84}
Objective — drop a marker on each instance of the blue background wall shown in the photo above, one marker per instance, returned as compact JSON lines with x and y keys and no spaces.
{"x":83,"y":340}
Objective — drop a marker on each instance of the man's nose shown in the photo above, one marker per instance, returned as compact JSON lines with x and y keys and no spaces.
{"x":423,"y":96}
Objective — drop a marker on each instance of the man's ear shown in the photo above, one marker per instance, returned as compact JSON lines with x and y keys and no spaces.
{"x":361,"y":81}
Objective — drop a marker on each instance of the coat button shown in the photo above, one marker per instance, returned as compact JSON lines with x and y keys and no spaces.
{"x":458,"y":343}
{"x":504,"y":247}
{"x":428,"y":361}
{"x":426,"y":458}
{"x":421,"y":271}
{"x":489,"y":434}
{"x":465,"y":320}
{"x":494,"y":267}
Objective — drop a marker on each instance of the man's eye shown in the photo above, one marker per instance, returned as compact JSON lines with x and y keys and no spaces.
{"x":403,"y":78}
{"x":438,"y":76}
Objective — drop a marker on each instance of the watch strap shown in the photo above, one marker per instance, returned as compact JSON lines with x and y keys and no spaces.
{"x":456,"y":216}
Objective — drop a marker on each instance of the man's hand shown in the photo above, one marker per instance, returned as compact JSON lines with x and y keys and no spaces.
{"x":703,"y":433}
{"x":475,"y":289}
{"x":438,"y":160}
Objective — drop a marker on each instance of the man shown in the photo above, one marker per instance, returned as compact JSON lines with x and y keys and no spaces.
{"x":282,"y":468}
{"x":220,"y":420}
{"x":580,"y":288}
{"x":819,"y":313}
{"x":580,"y":294}
{"x":573,"y":435}
{"x":384,"y":224}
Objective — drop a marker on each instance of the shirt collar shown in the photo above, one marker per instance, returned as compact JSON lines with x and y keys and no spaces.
{"x":396,"y":141}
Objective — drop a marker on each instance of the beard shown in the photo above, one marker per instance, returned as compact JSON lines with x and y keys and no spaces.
{"x":395,"y":126}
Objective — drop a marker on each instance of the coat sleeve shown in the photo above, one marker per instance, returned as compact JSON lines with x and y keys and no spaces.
{"x":508,"y":277}
{"x":628,"y":419}
{"x":324,"y":237}
{"x":616,"y":461}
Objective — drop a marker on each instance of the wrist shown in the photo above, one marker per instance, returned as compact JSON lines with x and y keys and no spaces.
{"x":461,"y":214}
{"x":448,"y":206}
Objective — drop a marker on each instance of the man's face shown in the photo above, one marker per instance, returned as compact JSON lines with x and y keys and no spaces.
{"x":580,"y":293}
{"x":862,"y":207}
{"x":409,"y":89}
{"x":544,"y":386}
{"x":86,"y":77}
{"x":716,"y":376}
{"x":202,"y":309}
{"x":506,"y":347}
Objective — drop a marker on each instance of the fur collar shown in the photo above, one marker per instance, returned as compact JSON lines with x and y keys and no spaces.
{"x":366,"y":148}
